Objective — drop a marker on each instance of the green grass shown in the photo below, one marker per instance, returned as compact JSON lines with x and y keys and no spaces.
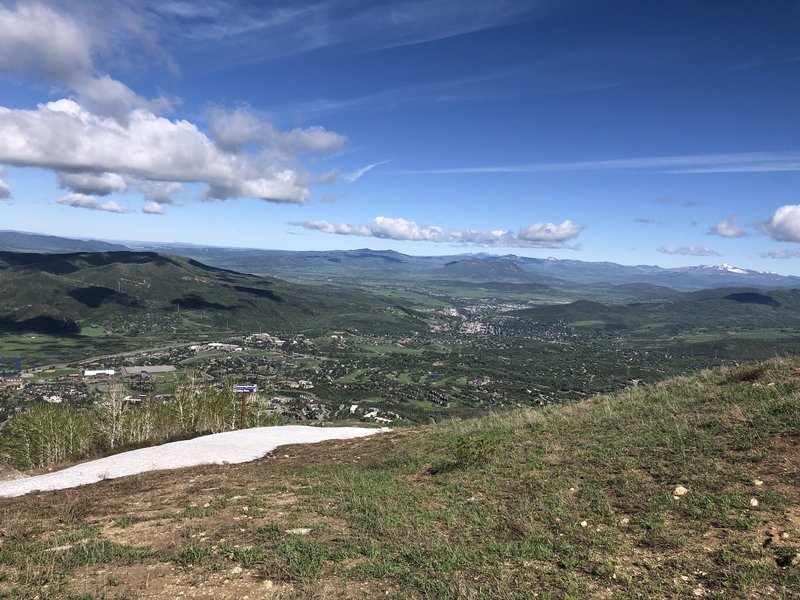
{"x":468,"y":508}
{"x":389,"y":349}
{"x":570,"y":501}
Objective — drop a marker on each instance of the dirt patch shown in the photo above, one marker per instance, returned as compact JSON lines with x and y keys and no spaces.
{"x":9,"y":474}
{"x":158,"y":580}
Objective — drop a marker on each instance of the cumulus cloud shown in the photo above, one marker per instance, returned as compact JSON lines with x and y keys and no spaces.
{"x":153,"y":208}
{"x":64,"y":136}
{"x":234,"y":130}
{"x":5,"y":189}
{"x":111,"y":98}
{"x":161,"y":192}
{"x":729,"y":228}
{"x":107,"y":139}
{"x":784,"y":224}
{"x":313,"y":139}
{"x":90,"y":203}
{"x":689,"y":250}
{"x":549,"y":233}
{"x":37,"y":40}
{"x":402,"y":229}
{"x":41,"y":42}
{"x":96,"y":184}
{"x":795,"y":253}
{"x":545,"y":235}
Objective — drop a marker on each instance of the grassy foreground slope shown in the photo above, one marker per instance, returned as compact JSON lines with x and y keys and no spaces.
{"x":569,"y":501}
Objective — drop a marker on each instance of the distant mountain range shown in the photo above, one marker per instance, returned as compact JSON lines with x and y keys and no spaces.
{"x":388,"y":264}
{"x":344,"y":265}
{"x":17,"y":241}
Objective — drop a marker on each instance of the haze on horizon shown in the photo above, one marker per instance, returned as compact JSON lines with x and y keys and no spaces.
{"x":635,"y":133}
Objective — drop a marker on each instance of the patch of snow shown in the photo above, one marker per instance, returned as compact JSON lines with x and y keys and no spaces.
{"x":220,"y":448}
{"x":731,"y":269}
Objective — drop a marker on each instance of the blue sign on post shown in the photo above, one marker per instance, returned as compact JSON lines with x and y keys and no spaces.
{"x":245,"y":388}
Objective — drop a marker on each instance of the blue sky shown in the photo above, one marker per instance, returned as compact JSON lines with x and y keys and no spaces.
{"x":640,"y":133}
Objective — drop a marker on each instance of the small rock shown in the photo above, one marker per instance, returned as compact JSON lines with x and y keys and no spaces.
{"x":269,"y":584}
{"x":758,"y":482}
{"x":785,"y":535}
{"x":624,"y":521}
{"x":680,"y":491}
{"x":698,"y":591}
{"x":584,"y":523}
{"x":236,"y":570}
{"x":206,"y":505}
{"x":684,"y":578}
{"x":753,"y":502}
{"x":299,"y":531}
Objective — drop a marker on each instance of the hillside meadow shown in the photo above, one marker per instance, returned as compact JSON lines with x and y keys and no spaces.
{"x":686,"y":488}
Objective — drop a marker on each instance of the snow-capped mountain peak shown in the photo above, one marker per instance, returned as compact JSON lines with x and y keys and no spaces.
{"x":726,"y":268}
{"x":731,"y":269}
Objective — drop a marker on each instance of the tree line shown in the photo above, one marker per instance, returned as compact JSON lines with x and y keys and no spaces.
{"x":47,"y":434}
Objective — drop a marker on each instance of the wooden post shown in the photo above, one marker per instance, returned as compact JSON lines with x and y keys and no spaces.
{"x":245,"y":389}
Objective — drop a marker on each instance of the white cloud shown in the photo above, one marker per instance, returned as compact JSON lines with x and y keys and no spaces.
{"x":549,"y":233}
{"x":5,"y":189}
{"x":37,"y":40}
{"x":784,"y":224}
{"x":161,"y":192}
{"x":108,"y":139}
{"x":403,"y":229}
{"x":234,"y":130}
{"x":339,"y":229}
{"x":90,"y":203}
{"x":742,"y":162}
{"x":729,"y":228}
{"x":153,"y":208}
{"x":689,"y":250}
{"x":41,"y":42}
{"x":62,"y":135}
{"x":97,"y":184}
{"x":358,"y":173}
{"x":108,"y":97}
{"x":258,"y":31}
{"x":535,"y":235}
{"x":795,"y":253}
{"x":316,"y":140}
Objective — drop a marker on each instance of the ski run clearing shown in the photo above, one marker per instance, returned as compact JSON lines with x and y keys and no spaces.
{"x":220,"y":448}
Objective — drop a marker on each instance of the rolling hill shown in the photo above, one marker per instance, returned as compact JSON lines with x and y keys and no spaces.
{"x":137,"y":292}
{"x":715,"y":309}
